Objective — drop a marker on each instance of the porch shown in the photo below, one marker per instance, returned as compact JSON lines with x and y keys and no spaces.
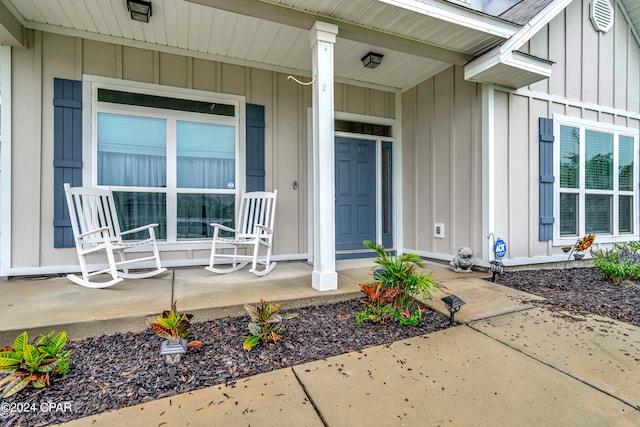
{"x":44,"y":303}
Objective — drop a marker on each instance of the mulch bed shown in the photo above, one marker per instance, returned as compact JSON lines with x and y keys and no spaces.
{"x":579,"y":291}
{"x":111,"y":372}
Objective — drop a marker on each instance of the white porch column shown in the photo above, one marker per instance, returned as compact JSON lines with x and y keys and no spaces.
{"x":324,"y":277}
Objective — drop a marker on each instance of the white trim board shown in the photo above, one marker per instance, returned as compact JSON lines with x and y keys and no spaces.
{"x":570,"y":102}
{"x":64,"y":269}
{"x":5,"y":161}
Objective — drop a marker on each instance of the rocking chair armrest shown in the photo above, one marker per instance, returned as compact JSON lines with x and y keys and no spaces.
{"x":135,"y":230}
{"x":90,"y":232}
{"x":222,"y":227}
{"x":264,"y":228}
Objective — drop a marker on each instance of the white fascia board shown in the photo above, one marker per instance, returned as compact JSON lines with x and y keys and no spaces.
{"x":532,"y":27}
{"x":481,"y":64}
{"x":632,"y":27}
{"x":522,"y":71}
{"x":11,"y":28}
{"x":506,"y":53}
{"x":458,"y":15}
{"x":529,"y":63}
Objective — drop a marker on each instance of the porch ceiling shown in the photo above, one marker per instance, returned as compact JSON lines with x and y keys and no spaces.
{"x":417,"y":38}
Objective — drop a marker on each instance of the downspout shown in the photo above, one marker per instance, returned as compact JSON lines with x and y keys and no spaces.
{"x":5,"y":161}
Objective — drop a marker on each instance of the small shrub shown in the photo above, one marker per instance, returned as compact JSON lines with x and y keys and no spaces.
{"x":265,"y":324}
{"x":408,"y":318}
{"x":391,"y":294}
{"x":619,"y":263}
{"x":34,"y":363}
{"x":376,"y":311}
{"x":172,"y":325}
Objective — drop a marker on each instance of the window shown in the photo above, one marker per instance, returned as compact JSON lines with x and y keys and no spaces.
{"x":596,"y":189}
{"x":169,"y":160}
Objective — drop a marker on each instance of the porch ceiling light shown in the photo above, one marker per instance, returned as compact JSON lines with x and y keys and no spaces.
{"x":140,"y":10}
{"x":371,"y":59}
{"x":453,"y":304}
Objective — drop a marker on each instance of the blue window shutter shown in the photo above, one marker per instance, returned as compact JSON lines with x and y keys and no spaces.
{"x":255,"y":147}
{"x":67,"y":153}
{"x":546,"y":178}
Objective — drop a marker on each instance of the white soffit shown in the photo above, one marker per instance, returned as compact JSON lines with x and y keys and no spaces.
{"x":418,"y":38}
{"x":514,"y":71}
{"x":496,"y":65}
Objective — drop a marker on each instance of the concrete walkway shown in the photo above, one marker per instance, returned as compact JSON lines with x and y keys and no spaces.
{"x":510,"y":363}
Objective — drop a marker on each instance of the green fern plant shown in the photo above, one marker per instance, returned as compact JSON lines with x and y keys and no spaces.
{"x":33,"y":363}
{"x":395,"y":285}
{"x":265,"y":324}
{"x":399,"y":271}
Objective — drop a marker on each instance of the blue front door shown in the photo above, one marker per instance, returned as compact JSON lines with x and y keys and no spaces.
{"x":355,"y":170}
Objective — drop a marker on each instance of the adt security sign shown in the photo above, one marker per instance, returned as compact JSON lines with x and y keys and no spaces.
{"x":500,"y":248}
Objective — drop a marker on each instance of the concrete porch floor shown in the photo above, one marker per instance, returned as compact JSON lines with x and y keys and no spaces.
{"x":41,"y":304}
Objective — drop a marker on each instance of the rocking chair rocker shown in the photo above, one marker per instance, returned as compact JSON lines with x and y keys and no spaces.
{"x":254,"y":230}
{"x":95,"y":225}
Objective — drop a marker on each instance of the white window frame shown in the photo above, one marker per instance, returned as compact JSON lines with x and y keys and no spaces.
{"x":91,"y":84}
{"x":616,"y":131}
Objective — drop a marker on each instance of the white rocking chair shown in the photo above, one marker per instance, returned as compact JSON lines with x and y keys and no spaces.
{"x":95,"y":225}
{"x":254,"y":229}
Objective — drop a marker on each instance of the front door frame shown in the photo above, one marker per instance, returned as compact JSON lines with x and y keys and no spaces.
{"x":375,"y":144}
{"x":395,"y":167}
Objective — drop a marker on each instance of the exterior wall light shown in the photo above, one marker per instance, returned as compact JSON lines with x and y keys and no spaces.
{"x":172,"y":351}
{"x":140,"y":10}
{"x":371,"y":59}
{"x":453,"y":304}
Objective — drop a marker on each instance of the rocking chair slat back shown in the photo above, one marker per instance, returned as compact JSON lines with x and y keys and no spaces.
{"x":94,"y":208}
{"x":256,"y":208}
{"x":95,"y":225}
{"x":254,"y":230}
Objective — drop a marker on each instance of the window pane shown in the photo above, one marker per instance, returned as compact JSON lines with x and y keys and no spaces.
{"x":206,"y":155}
{"x":597,"y":211}
{"x":131,"y":151}
{"x":154,"y":101}
{"x":625,"y":214}
{"x":362,"y":128}
{"x":569,"y":157}
{"x":386,"y":189}
{"x":138,"y":209}
{"x":598,"y":160}
{"x":197,"y":211}
{"x":568,"y":214}
{"x":625,"y":168}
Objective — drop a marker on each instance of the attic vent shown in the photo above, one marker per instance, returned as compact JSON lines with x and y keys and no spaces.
{"x":601,"y":14}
